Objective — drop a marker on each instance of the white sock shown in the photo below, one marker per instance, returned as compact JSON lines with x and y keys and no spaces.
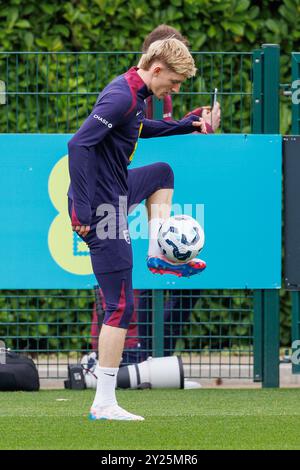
{"x":106,"y":386}
{"x":154,"y":226}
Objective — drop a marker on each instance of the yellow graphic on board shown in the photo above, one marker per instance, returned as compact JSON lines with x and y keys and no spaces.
{"x":136,"y":144}
{"x":66,"y":248}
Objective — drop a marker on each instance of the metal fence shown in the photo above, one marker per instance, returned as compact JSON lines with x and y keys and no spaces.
{"x":214,"y":331}
{"x":54,"y":92}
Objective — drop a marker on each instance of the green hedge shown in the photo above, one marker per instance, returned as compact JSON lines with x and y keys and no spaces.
{"x":94,"y":25}
{"x":46,"y":320}
{"x":115,"y":25}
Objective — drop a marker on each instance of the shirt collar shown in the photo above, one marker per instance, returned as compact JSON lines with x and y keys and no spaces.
{"x":143,"y":90}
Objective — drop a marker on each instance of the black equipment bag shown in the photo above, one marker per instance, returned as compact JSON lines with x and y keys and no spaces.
{"x":18,"y":373}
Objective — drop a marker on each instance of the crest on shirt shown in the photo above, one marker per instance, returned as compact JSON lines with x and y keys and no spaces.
{"x":126,"y":236}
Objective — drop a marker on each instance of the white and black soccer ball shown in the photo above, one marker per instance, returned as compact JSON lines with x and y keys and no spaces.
{"x":180,"y":238}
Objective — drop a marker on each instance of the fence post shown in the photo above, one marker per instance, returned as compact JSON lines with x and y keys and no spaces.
{"x":265,"y":120}
{"x":158,"y":295}
{"x":158,"y":323}
{"x":271,"y":87}
{"x":295,"y":131}
{"x":257,"y":128}
{"x":258,"y":336}
{"x":257,"y":96}
{"x":158,"y":108}
{"x":271,"y":339}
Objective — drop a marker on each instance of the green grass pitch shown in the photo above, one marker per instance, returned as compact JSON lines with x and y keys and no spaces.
{"x":174,"y":419}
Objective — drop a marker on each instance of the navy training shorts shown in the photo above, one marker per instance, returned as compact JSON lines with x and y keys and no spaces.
{"x":115,"y":254}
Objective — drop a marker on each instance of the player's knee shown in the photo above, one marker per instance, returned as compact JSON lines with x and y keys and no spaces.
{"x":126,"y":318}
{"x":167,"y":175}
{"x":119,"y":315}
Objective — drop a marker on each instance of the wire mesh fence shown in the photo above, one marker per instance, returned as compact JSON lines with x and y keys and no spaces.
{"x":212,"y":331}
{"x":55,"y":92}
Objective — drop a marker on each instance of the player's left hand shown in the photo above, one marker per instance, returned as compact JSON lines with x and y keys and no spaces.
{"x":82,"y":230}
{"x":200,"y":125}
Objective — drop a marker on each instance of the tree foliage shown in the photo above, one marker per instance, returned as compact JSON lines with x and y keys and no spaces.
{"x":103,"y":25}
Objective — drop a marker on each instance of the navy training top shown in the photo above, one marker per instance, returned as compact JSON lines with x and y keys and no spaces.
{"x":103,"y":147}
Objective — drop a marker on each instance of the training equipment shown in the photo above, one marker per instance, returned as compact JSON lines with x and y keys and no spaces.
{"x":147,"y":374}
{"x":163,"y":266}
{"x":17,"y":372}
{"x":75,"y":379}
{"x":152,"y":374}
{"x":180,"y":238}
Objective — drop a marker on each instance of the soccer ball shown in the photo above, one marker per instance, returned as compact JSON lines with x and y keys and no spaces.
{"x":180,"y":238}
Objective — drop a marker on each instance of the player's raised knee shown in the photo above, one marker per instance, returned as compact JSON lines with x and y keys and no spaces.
{"x":165,"y":167}
{"x":167,"y":172}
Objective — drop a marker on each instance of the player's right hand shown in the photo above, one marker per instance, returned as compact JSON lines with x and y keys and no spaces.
{"x":82,"y":230}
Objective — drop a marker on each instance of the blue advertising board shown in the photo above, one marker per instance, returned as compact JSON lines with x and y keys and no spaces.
{"x":230,"y":183}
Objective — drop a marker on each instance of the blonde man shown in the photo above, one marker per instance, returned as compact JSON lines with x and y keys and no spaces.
{"x":102,"y":188}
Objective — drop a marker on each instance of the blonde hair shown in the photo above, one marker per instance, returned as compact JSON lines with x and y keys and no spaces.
{"x":173,"y":54}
